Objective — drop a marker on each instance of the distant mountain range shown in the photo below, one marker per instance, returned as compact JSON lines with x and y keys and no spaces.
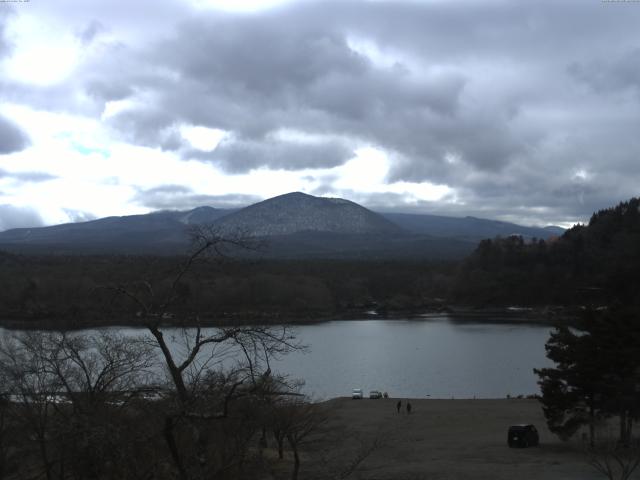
{"x":472,"y":229}
{"x":294,"y":225}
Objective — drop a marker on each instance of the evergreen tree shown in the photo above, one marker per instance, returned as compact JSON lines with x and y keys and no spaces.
{"x":597,"y":374}
{"x":617,"y":335}
{"x":571,"y":392}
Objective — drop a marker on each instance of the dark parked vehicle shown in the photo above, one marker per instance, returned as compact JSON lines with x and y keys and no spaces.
{"x":523,"y":436}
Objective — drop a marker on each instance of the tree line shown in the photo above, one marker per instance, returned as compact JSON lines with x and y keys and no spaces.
{"x":63,"y":291}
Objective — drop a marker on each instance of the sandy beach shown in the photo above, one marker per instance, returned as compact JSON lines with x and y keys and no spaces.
{"x":440,"y":439}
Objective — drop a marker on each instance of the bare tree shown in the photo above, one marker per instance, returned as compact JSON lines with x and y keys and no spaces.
{"x":239,"y":356}
{"x":5,"y":450}
{"x":33,"y":389}
{"x":279,"y":395}
{"x":66,"y":390}
{"x":297,"y":420}
{"x":94,"y":370}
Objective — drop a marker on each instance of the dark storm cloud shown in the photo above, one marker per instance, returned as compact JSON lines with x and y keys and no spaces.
{"x":179,"y":197}
{"x":18,"y":217}
{"x":251,"y":76}
{"x":12,"y":139}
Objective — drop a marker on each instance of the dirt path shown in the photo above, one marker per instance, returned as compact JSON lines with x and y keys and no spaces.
{"x":442,"y":439}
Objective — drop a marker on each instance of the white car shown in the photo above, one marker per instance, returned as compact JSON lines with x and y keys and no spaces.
{"x":375,"y":394}
{"x":356,"y":394}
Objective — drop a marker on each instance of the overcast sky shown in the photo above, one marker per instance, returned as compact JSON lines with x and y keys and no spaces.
{"x":520,"y":111}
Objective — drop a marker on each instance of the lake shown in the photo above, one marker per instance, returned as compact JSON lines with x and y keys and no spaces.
{"x":439,"y":358}
{"x":436,"y":357}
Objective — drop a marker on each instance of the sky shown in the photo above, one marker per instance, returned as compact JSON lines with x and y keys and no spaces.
{"x":519,"y":111}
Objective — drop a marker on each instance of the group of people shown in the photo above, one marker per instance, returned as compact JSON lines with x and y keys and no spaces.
{"x":399,"y":407}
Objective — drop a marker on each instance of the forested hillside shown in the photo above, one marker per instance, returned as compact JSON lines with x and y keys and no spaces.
{"x":594,"y":263}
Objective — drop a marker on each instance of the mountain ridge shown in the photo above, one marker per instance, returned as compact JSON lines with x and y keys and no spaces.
{"x":468,"y":227}
{"x":288,"y":221}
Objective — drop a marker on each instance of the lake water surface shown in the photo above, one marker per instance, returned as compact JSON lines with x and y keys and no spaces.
{"x":436,"y":357}
{"x":439,"y":358}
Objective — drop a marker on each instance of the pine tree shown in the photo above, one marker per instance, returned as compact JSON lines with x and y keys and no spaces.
{"x":571,"y":392}
{"x":597,"y":374}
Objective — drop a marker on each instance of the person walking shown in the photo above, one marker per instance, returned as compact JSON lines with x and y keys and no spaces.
{"x":408,"y":408}
{"x":399,"y":405}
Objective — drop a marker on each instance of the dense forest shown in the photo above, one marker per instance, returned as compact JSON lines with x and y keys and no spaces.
{"x":74,"y":291}
{"x":594,"y":263}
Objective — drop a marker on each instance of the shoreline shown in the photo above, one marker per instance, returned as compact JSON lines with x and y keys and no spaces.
{"x":542,"y":316}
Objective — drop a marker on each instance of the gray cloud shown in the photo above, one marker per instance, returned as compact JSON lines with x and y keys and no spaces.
{"x":27,"y":176}
{"x":241,"y":155}
{"x":610,"y":75}
{"x":12,"y":139}
{"x":108,"y":91}
{"x":305,"y":77}
{"x":18,"y":217}
{"x":179,"y":197}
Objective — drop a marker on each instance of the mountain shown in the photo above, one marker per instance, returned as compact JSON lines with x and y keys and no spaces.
{"x":155,"y":232}
{"x":467,"y":228}
{"x":298,"y":212}
{"x":296,"y":225}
